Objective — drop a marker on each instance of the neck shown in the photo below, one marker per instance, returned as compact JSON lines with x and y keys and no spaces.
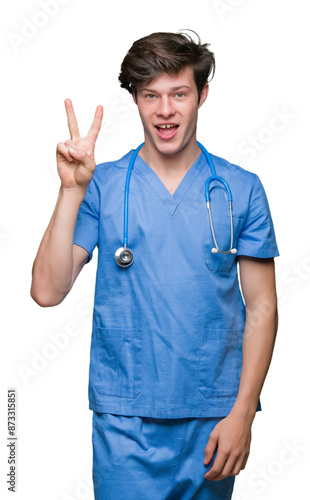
{"x":171,"y":165}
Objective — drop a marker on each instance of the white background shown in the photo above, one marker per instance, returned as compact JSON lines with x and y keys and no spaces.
{"x":261,"y":51}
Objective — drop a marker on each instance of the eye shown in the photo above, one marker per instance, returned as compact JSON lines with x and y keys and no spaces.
{"x":180,"y":95}
{"x":150,"y":96}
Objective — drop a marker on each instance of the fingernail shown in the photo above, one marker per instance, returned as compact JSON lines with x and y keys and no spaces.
{"x":205,"y":461}
{"x":71,"y":150}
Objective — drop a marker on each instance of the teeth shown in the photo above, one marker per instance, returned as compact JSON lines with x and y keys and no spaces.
{"x":166,"y":126}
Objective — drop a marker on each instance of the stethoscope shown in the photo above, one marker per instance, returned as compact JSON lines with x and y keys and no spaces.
{"x":124,"y":256}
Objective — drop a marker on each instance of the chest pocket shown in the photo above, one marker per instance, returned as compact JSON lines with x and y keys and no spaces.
{"x":220,"y":262}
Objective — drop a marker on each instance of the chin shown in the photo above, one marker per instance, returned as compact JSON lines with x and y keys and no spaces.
{"x":168,"y":148}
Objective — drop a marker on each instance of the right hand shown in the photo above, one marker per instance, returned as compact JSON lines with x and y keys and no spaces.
{"x":76,"y":169}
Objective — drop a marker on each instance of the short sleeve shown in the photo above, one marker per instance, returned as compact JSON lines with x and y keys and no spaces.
{"x":87,"y":224}
{"x":257,"y":238}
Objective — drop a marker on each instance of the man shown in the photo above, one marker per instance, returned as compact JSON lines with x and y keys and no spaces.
{"x":178,"y":359}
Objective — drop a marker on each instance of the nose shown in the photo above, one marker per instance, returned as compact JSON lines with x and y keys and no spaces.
{"x":165,"y":107}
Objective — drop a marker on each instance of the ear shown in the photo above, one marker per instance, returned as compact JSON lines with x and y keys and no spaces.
{"x":203,"y":95}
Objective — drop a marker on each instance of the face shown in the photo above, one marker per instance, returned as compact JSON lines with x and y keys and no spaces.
{"x":168,"y":107}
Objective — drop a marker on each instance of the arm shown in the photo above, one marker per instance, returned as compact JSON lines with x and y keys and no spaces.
{"x":232,"y":435}
{"x":59,"y":261}
{"x":257,"y":277}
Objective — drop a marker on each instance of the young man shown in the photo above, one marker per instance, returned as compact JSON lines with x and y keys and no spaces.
{"x":178,"y":359}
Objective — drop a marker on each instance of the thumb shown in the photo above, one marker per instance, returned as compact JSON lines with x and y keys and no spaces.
{"x":210,"y":449}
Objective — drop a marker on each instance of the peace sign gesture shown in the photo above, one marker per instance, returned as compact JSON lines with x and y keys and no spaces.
{"x":75,"y":158}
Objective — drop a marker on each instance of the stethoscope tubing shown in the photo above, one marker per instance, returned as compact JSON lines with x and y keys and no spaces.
{"x":126,"y":195}
{"x":213,"y":176}
{"x":124,"y":256}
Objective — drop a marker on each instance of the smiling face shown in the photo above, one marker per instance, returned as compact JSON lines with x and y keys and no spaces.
{"x":168,"y":108}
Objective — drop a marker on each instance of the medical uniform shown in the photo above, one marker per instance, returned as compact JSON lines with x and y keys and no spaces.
{"x":167,"y":330}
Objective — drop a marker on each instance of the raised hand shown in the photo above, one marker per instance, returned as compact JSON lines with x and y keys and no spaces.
{"x":75,"y":158}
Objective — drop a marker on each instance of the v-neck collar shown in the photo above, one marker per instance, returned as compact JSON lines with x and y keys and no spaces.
{"x":172,"y":201}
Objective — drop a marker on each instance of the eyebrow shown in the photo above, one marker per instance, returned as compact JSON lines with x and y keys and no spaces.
{"x":173,"y":89}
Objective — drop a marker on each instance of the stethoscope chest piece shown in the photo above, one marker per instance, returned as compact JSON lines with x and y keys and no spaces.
{"x":123,"y":256}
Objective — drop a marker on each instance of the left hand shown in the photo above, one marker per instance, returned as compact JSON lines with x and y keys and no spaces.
{"x":232,"y":438}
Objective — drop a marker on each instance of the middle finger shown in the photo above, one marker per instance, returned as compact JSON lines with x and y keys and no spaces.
{"x":96,"y":125}
{"x":217,"y":467}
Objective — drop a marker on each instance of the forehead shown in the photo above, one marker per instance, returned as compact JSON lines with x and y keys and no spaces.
{"x":165,"y":82}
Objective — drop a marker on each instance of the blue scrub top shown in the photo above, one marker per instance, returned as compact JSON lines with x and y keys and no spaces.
{"x":167,"y":330}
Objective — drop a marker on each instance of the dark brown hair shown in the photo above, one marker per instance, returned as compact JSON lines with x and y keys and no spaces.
{"x":166,"y":53}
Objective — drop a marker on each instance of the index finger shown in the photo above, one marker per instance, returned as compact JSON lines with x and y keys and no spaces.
{"x":96,"y":125}
{"x":72,"y":122}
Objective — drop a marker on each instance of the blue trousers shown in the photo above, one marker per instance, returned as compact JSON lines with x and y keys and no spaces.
{"x":144,"y":458}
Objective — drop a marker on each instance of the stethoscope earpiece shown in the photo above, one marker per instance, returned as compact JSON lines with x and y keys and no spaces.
{"x":215,"y":250}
